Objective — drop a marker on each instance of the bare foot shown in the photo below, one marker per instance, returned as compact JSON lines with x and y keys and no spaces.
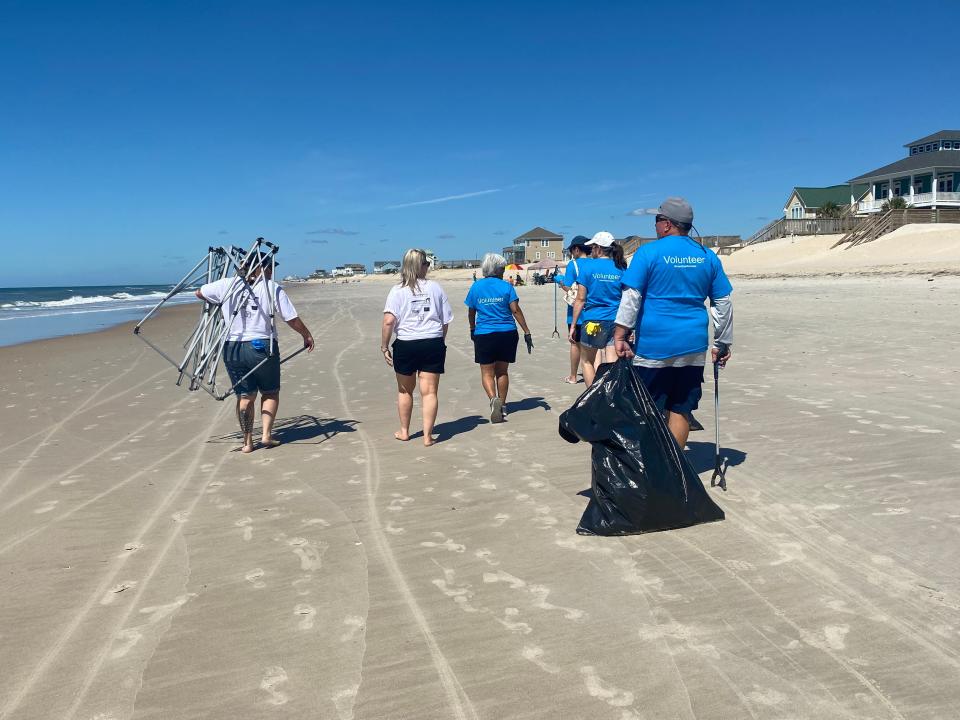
{"x":247,"y":448}
{"x":428,"y":440}
{"x":401,"y":435}
{"x":270,"y":443}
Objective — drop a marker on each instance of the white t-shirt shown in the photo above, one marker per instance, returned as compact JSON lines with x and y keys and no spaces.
{"x":253,"y":320}
{"x":420,"y":314}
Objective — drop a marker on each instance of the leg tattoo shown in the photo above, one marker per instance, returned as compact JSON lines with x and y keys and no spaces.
{"x":245,"y":418}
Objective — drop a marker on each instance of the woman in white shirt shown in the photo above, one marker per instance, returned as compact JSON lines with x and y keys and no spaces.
{"x":418,"y":311}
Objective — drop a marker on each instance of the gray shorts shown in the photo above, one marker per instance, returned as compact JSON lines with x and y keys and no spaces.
{"x":242,"y":356}
{"x":601,"y":338}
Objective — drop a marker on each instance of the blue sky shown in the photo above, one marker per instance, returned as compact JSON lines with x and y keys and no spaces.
{"x":135,"y":134}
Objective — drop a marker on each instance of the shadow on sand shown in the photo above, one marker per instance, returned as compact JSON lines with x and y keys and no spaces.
{"x":452,"y":428}
{"x":300,"y":430}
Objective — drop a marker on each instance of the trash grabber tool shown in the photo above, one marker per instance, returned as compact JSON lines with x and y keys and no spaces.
{"x":719,"y":465}
{"x":556,"y":333}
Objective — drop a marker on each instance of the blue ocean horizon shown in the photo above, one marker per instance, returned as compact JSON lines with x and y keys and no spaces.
{"x":38,"y":313}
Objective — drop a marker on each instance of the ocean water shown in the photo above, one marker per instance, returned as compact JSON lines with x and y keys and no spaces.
{"x":35,"y":313}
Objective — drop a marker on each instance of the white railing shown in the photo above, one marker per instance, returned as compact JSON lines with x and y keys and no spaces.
{"x":915,"y":200}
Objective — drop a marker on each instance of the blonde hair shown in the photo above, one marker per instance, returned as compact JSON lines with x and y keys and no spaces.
{"x":411,"y":271}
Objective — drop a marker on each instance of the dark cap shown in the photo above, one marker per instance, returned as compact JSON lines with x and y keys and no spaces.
{"x":579,"y":241}
{"x":252,"y":262}
{"x":676,"y":209}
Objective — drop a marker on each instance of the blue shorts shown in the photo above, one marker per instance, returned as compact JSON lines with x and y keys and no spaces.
{"x":242,"y":356}
{"x":677,"y":389}
{"x":603,"y":337}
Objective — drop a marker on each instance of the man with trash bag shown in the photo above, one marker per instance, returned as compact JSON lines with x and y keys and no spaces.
{"x":664,"y":290}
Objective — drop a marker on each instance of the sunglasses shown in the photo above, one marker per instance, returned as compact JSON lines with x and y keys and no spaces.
{"x":661,"y":218}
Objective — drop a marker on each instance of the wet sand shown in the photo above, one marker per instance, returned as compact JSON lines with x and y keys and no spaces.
{"x":150,"y":571}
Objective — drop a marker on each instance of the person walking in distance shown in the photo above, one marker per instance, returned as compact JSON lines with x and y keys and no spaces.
{"x":664,"y":291}
{"x":568,"y":283}
{"x":418,"y":311}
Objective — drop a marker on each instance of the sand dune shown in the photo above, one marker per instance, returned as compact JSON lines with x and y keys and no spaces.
{"x":919,"y":249}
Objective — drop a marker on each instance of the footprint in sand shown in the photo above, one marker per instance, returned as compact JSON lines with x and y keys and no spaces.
{"x":355,"y":625}
{"x":244,"y":523}
{"x":273,"y":677}
{"x":514,"y":626}
{"x":316,"y":521}
{"x":307,"y":613}
{"x":535,"y":655}
{"x":45,"y":507}
{"x":253,"y":577}
{"x":597,"y":688}
{"x":500,"y":519}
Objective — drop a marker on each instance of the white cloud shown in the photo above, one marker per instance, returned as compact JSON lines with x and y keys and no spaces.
{"x":448,"y":198}
{"x":643,"y":211}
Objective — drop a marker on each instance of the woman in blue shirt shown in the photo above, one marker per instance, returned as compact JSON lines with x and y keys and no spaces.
{"x":494,"y":311}
{"x":598,"y":298}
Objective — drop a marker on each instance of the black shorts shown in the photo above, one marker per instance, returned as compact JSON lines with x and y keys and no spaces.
{"x":240,"y":357}
{"x":576,"y":332}
{"x":412,"y":356}
{"x":495,"y":347}
{"x":677,"y":389}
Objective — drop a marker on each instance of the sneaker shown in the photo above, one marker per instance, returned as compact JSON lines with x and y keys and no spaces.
{"x":496,"y":410}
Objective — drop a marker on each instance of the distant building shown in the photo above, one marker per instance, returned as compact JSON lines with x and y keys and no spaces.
{"x":804,"y":202}
{"x":343,"y":271}
{"x":386,"y":266}
{"x":319,"y":274}
{"x":928,"y":177}
{"x":533,"y":245}
{"x":358,"y":268}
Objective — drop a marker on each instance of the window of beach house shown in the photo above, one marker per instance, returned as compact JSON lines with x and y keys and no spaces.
{"x":544,"y":243}
{"x":913,"y":151}
{"x":537,"y":256}
{"x":945,"y":183}
{"x":552,"y":255}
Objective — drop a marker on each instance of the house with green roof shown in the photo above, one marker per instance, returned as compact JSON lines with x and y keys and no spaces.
{"x":928,"y":177}
{"x":804,"y":202}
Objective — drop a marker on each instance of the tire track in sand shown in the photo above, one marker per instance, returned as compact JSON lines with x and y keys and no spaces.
{"x":110,"y":579}
{"x":460,"y":702}
{"x":83,"y":407}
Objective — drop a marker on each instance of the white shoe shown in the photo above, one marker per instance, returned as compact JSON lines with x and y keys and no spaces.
{"x":496,"y":410}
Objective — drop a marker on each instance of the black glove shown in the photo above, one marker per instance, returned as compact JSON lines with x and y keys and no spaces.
{"x":528,"y":339}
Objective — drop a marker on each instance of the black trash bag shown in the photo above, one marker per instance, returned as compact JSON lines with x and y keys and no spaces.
{"x":641,"y":482}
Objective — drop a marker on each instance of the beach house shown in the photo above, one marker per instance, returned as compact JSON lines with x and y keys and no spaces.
{"x":928,"y":177}
{"x":805,"y":202}
{"x":533,"y":245}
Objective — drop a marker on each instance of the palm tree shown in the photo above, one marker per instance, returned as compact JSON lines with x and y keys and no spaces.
{"x":895,"y":203}
{"x":829,"y":210}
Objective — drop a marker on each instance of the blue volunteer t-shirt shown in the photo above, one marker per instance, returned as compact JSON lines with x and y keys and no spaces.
{"x":675,"y":275}
{"x":491,"y":298}
{"x":568,"y":279}
{"x":601,"y":278}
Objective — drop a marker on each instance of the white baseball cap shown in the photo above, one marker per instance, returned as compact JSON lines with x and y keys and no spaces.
{"x":602,"y":238}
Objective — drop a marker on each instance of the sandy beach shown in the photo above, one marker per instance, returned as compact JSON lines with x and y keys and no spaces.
{"x":150,"y":571}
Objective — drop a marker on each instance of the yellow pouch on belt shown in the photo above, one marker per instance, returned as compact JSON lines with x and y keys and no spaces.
{"x":591,"y":328}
